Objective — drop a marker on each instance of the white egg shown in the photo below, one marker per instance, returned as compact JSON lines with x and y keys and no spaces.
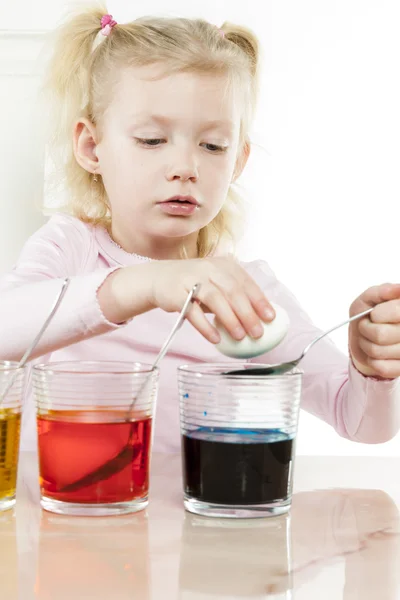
{"x":248,"y":347}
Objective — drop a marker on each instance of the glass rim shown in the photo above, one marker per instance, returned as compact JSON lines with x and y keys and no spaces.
{"x":7,"y":365}
{"x":64,"y":367}
{"x":205,"y":369}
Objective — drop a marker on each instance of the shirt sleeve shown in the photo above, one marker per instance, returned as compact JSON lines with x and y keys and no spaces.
{"x":60,"y":249}
{"x":359,"y":408}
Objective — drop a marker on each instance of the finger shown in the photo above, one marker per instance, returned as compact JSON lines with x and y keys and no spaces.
{"x":258,"y":299}
{"x":382,"y":334}
{"x":216,"y":303}
{"x":386,"y":312}
{"x":388,"y":369}
{"x":244,"y":310}
{"x":377,"y":352}
{"x":198,"y":319}
{"x":380,"y":293}
{"x":240,"y":305}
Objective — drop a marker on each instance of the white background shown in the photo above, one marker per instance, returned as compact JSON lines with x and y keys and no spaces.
{"x":322,"y":183}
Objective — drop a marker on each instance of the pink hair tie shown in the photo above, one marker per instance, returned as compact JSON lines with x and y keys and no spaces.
{"x":107,"y":23}
{"x":221,"y":33}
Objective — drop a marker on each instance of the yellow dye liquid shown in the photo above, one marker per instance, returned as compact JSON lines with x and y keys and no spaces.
{"x":10,"y":424}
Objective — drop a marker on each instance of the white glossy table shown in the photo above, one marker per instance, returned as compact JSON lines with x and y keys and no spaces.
{"x":336,"y":543}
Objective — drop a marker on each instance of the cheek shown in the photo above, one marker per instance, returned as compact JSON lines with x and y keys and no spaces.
{"x":115,"y":151}
{"x":108,"y":158}
{"x":220,"y":173}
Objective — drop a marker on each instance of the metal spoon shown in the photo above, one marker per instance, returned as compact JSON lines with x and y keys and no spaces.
{"x":129,"y":452}
{"x":280,"y":368}
{"x":35,"y":342}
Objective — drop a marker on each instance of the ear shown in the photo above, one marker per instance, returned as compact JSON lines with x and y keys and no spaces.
{"x":241,"y":160}
{"x":85,"y":142}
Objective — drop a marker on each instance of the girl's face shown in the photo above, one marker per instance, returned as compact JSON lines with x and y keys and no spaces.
{"x":162,"y":138}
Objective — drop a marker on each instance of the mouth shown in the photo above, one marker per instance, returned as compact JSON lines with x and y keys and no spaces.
{"x":188,"y":200}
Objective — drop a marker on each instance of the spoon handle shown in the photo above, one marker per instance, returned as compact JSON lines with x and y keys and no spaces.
{"x":315,"y":340}
{"x":191,"y":296}
{"x":178,"y":324}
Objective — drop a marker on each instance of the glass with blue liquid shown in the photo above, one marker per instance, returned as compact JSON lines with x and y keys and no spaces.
{"x":238,"y":440}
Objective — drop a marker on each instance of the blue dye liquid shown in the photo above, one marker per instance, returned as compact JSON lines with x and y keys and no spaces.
{"x":237,"y":466}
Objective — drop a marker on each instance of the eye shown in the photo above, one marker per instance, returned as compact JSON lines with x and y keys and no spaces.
{"x":215,"y":149}
{"x":150,"y":141}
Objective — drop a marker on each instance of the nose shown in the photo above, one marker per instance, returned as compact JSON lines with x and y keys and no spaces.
{"x":183,"y":168}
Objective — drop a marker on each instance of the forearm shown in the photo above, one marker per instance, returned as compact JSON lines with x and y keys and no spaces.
{"x":24,"y":308}
{"x":127,"y":292}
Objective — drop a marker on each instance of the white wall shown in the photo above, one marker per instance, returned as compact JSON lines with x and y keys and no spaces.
{"x":323,"y":181}
{"x":21,"y":143}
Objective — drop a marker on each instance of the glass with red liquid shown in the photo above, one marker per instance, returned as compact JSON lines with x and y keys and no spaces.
{"x":84,"y":422}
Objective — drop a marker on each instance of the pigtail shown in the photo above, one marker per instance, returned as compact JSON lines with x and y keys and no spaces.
{"x":247,"y":42}
{"x":67,"y":89}
{"x":67,"y":78}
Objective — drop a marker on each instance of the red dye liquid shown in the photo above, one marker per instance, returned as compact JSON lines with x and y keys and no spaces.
{"x":72,"y":444}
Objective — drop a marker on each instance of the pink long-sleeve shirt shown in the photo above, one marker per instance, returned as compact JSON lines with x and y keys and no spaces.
{"x":358,"y":407}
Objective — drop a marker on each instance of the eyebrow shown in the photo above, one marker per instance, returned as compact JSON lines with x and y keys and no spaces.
{"x":143,"y":118}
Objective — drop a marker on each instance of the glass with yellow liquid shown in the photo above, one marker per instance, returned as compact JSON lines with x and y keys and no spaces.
{"x":10,"y":422}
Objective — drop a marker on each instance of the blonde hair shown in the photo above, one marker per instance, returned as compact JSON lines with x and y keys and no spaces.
{"x":78,"y":79}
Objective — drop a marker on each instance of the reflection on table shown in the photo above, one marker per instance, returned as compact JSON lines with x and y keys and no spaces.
{"x":330,"y":535}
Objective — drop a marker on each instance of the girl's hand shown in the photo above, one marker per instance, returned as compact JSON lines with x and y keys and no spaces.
{"x":226,"y":290}
{"x":374,"y":341}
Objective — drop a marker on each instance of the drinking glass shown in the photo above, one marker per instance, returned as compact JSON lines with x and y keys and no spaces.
{"x":238,"y":437}
{"x":84,"y":421}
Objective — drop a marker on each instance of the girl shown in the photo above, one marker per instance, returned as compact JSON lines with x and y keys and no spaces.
{"x":151,"y":123}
